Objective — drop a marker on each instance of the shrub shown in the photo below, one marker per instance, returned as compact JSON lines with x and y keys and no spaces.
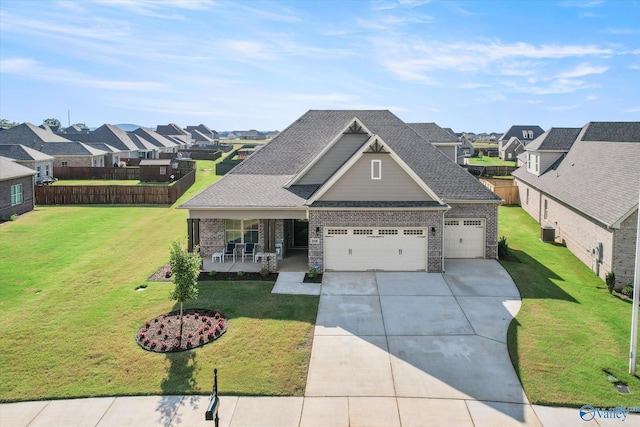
{"x":611,"y":281}
{"x":213,"y":273}
{"x":264,"y":272}
{"x":503,"y":248}
{"x":313,"y":272}
{"x":241,"y":273}
{"x":627,"y":290}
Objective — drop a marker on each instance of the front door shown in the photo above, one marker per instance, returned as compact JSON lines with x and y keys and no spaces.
{"x":300,"y":233}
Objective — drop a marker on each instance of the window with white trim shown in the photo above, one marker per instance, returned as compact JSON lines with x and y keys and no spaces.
{"x":46,"y":169}
{"x":65,"y":164}
{"x":163,"y":170}
{"x":16,"y":194}
{"x":37,"y":171}
{"x":546,"y":208}
{"x":527,"y":196}
{"x":376,"y":169}
{"x":241,"y":230}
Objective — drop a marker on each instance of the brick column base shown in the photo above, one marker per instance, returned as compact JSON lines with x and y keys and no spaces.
{"x":270,"y":261}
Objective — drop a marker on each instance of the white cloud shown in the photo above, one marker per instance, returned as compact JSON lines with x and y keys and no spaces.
{"x":591,"y":98}
{"x":473,"y":85}
{"x":31,"y":69}
{"x":581,"y":71}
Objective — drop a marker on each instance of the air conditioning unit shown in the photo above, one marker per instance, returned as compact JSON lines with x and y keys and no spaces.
{"x":547,"y":234}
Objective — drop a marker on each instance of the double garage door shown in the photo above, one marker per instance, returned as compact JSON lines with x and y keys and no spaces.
{"x":361,"y":249}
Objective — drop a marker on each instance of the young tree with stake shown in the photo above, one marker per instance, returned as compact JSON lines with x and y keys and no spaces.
{"x":185,"y":268}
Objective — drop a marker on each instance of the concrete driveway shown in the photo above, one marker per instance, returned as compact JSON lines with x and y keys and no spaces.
{"x":396,"y":337}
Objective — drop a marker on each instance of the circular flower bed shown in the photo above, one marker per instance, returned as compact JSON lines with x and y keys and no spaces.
{"x":199,"y":327}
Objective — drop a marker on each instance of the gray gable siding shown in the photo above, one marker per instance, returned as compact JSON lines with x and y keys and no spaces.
{"x":356,"y":184}
{"x":335,"y":157}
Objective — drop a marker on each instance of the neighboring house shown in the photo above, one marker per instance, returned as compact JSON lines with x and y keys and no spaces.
{"x":361,"y":190}
{"x":74,"y":154}
{"x":584,"y":182}
{"x":30,"y":158}
{"x":465,"y":149}
{"x":200,"y":139}
{"x":112,"y":154}
{"x":511,"y":149}
{"x":204,"y":130}
{"x":252,"y":134}
{"x":163,"y":144}
{"x":273,"y":134}
{"x":175,"y":133}
{"x":112,"y":135}
{"x":445,"y":141}
{"x":29,"y":135}
{"x":16,"y":188}
{"x":513,"y":141}
{"x":146,"y":150}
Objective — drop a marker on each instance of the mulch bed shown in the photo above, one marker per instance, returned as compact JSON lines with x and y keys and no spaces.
{"x":232,"y":275}
{"x":317,"y":279}
{"x":199,"y":327}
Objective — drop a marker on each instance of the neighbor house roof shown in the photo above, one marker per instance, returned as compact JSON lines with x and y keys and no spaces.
{"x":11,"y":170}
{"x":21,"y":152}
{"x":517,"y":132}
{"x":433,"y":133}
{"x":555,"y":139}
{"x":104,"y":147}
{"x":29,"y":135}
{"x":199,"y":136}
{"x":108,"y":134}
{"x":260,"y":179}
{"x":71,"y":148}
{"x":599,"y":175}
{"x":154,"y":137}
{"x":171,"y":129}
{"x":141,"y":143}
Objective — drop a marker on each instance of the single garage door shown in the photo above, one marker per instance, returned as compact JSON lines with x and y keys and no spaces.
{"x":361,"y":249}
{"x":464,"y":238}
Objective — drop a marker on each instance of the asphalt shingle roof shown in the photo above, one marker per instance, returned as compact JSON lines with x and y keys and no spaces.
{"x":433,"y":133}
{"x":109,"y":134}
{"x":11,"y":170}
{"x":517,"y":132}
{"x":555,"y":139}
{"x":154,"y":137}
{"x":286,"y":155}
{"x":29,"y":135}
{"x":599,"y":178}
{"x":20,"y":152}
{"x":70,"y":148}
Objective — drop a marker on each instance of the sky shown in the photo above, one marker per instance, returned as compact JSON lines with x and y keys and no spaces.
{"x":475,"y":66}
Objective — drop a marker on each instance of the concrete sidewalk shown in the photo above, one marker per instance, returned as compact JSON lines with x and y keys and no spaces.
{"x":153,"y":411}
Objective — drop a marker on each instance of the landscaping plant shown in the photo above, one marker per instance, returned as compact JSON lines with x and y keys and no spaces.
{"x":185,"y":268}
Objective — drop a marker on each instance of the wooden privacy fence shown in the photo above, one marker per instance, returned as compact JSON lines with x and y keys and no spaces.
{"x":114,"y":194}
{"x":129,"y":173}
{"x":504,"y":188}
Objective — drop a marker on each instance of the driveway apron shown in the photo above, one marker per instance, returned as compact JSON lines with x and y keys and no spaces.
{"x":416,"y":335}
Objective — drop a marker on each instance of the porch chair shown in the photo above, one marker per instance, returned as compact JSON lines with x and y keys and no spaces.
{"x":229,"y":250}
{"x":250,"y":250}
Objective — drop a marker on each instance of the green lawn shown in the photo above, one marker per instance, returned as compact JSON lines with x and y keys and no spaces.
{"x":69,"y":311}
{"x":491,"y":161}
{"x":570,"y":331}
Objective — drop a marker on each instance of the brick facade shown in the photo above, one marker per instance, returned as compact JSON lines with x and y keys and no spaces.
{"x":624,"y":250}
{"x":581,"y":234}
{"x":489,"y":212}
{"x":357,"y":218}
{"x":28,"y":200}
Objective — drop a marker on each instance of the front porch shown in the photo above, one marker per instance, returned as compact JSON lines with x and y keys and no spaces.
{"x":295,"y":260}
